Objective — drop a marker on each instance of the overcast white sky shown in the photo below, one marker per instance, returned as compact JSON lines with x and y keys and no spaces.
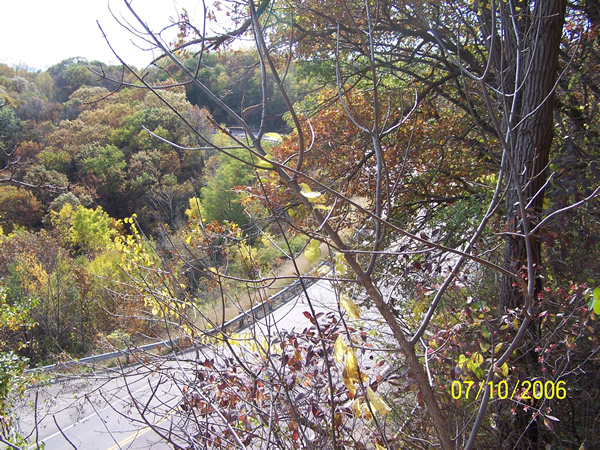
{"x":40,"y":33}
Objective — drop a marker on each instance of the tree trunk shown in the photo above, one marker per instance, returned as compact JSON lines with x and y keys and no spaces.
{"x":533,"y":137}
{"x":531,"y":143}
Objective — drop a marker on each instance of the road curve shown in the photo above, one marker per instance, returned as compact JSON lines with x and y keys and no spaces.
{"x":97,"y":412}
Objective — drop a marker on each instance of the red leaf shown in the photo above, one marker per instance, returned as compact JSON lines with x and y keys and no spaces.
{"x":309,"y":316}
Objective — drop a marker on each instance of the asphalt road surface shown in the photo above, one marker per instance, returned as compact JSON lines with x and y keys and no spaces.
{"x":97,"y":412}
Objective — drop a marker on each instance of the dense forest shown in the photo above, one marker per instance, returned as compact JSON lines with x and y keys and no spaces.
{"x":445,"y":153}
{"x":86,"y":181}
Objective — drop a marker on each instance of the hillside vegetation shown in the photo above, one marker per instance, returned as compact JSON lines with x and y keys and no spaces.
{"x":85,"y":175}
{"x":445,"y":153}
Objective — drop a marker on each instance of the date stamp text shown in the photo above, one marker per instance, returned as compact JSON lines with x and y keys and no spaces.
{"x":522,"y":390}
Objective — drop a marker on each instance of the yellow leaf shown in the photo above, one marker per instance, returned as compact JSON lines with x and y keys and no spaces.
{"x":498,"y":347}
{"x":312,"y":251}
{"x":546,"y":204}
{"x":356,"y":408}
{"x":305,"y":187}
{"x":377,"y":402}
{"x":504,"y":369}
{"x":340,"y":264}
{"x":419,"y":307}
{"x":311,"y":196}
{"x":322,"y":271}
{"x":366,"y":412}
{"x":348,"y":382}
{"x":477,"y":358}
{"x":350,"y":307}
{"x":273,"y":136}
{"x":352,"y":365}
{"x":379,"y":447}
{"x":339,"y":349}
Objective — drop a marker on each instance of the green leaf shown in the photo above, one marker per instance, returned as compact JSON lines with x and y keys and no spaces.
{"x":597,"y":300}
{"x":478,"y":371}
{"x":262,"y":164}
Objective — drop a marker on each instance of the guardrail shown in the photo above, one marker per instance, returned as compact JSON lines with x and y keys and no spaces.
{"x":265,"y":308}
{"x":237,"y":323}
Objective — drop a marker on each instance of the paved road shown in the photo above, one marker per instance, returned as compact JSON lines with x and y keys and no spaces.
{"x":98,"y":412}
{"x":91,"y":413}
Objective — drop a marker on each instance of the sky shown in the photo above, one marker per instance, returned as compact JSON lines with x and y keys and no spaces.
{"x":40,"y":33}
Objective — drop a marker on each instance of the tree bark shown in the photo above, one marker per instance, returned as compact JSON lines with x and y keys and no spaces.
{"x":532,"y":138}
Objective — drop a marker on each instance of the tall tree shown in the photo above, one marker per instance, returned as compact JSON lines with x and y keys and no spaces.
{"x":432,"y":105}
{"x":498,"y":61}
{"x":525,"y":59}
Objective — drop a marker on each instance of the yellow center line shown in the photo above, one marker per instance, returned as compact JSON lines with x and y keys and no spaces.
{"x":138,"y":433}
